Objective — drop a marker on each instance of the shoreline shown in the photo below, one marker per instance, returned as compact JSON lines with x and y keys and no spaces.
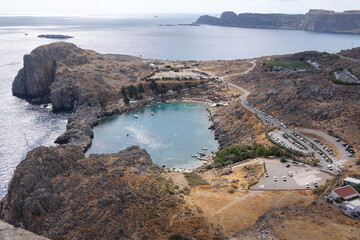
{"x":204,"y":161}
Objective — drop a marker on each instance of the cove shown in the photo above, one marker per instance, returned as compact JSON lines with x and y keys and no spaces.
{"x":170,"y":132}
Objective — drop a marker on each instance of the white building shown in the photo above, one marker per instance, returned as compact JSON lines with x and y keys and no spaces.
{"x":351,"y":181}
{"x":346,"y":192}
{"x":353,"y":206}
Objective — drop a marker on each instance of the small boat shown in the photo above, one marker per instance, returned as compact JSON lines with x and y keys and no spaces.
{"x":202,"y":154}
{"x":136,"y":116}
{"x":194,"y":155}
{"x":204,"y":149}
{"x":152,"y":113}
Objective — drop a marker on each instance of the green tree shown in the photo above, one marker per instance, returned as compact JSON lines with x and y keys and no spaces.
{"x":154,"y":87}
{"x":123,"y":92}
{"x":126,"y":100}
{"x":163,"y":89}
{"x":133,"y":91}
{"x":141,"y":88}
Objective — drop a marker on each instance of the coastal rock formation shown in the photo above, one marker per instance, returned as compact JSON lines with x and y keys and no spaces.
{"x":314,"y":20}
{"x":68,"y":76}
{"x":40,"y":66}
{"x":8,"y":232}
{"x":253,"y":20}
{"x":330,"y":21}
{"x":59,"y":193}
{"x":78,"y":80}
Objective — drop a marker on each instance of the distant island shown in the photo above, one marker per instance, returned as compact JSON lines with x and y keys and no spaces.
{"x":314,"y":20}
{"x":54,"y":36}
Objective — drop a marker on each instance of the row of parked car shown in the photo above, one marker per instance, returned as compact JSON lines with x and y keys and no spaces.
{"x":290,"y":175}
{"x":349,"y":150}
{"x":293,"y":142}
{"x":326,"y":148}
{"x":326,"y":158}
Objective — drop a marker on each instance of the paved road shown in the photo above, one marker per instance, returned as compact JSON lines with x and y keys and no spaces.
{"x":350,"y":59}
{"x":270,"y":120}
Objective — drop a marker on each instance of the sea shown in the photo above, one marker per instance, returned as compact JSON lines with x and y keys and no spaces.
{"x":24,"y":126}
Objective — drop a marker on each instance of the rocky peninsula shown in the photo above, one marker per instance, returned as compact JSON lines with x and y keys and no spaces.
{"x":314,"y":20}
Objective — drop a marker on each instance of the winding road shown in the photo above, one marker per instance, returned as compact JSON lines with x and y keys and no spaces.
{"x":340,"y":159}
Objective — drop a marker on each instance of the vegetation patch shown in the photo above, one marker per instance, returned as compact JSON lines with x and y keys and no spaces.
{"x":234,"y":154}
{"x":290,"y":64}
{"x":195,"y":180}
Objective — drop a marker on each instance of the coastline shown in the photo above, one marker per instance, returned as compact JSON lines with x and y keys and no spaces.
{"x":121,"y":109}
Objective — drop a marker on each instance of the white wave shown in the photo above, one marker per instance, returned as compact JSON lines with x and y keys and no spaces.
{"x":146,"y":137}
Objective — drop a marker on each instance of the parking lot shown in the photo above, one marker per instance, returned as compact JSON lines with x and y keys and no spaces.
{"x":346,"y":76}
{"x":286,"y":141}
{"x":301,"y":176}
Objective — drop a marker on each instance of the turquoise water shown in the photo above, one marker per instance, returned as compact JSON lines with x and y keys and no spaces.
{"x":171,"y":135}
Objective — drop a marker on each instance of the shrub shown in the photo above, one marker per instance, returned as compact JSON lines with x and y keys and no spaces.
{"x":358,"y":162}
{"x":236,"y":154}
{"x":177,"y":237}
{"x":194,"y":179}
{"x":231,"y":191}
{"x":319,"y":190}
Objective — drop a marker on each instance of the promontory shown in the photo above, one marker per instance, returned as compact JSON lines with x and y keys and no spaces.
{"x":314,"y":20}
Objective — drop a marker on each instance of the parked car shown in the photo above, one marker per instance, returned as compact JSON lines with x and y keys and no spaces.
{"x":290,"y":174}
{"x":284,"y":178}
{"x":315,"y":184}
{"x":275,"y":179}
{"x":330,"y":167}
{"x":307,"y":185}
{"x":266,"y":174}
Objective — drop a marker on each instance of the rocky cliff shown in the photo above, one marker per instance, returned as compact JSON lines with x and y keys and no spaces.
{"x":60,"y":193}
{"x":253,"y":20}
{"x":68,"y":76}
{"x":71,"y":78}
{"x":314,"y":20}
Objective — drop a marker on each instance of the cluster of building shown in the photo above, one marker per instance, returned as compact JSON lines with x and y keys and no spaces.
{"x":347,"y":198}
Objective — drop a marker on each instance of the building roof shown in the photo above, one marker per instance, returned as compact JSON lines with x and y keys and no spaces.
{"x":353,"y":180}
{"x":354,"y":203}
{"x":345,"y":191}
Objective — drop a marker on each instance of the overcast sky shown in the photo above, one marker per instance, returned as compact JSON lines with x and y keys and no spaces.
{"x":118,"y":7}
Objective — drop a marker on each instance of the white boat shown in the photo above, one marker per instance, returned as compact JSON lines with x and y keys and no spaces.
{"x":136,"y":116}
{"x":204,"y":149}
{"x":152,"y":113}
{"x":194,"y":155}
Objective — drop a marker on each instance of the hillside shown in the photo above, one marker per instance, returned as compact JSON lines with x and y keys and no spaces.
{"x":314,"y":20}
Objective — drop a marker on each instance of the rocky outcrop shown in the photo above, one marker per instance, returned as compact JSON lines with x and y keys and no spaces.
{"x":253,"y":20}
{"x":330,"y":21}
{"x":68,"y":77}
{"x":78,"y":80}
{"x":59,"y":193}
{"x":8,"y":232}
{"x":314,"y":20}
{"x":40,"y":67}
